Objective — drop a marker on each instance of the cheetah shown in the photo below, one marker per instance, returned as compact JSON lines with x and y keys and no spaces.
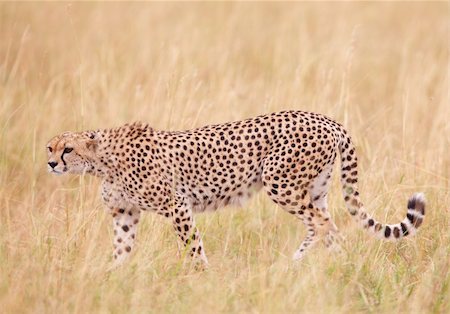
{"x":288,"y":154}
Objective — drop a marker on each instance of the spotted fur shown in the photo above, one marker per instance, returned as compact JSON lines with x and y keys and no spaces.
{"x":176,"y":174}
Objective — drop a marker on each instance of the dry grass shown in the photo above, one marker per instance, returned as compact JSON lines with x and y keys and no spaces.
{"x":381,"y":69}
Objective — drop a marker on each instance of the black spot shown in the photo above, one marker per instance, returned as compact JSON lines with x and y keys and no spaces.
{"x":404,"y":229}
{"x":410,"y":218}
{"x":387,"y":232}
{"x":125,"y":228}
{"x":412,"y":203}
{"x":396,"y":232}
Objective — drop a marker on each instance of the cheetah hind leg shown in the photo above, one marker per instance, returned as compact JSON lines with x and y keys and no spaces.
{"x":332,"y":239}
{"x":311,"y":238}
{"x":296,"y":201}
{"x":319,"y":226}
{"x":319,"y":191}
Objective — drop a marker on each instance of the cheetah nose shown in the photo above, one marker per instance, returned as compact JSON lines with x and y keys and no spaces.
{"x":52,"y":164}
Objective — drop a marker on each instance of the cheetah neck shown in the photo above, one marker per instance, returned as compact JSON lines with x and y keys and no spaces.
{"x":98,"y":164}
{"x":110,"y":143}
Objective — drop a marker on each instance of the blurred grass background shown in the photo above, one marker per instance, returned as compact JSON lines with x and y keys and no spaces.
{"x":379,"y":68}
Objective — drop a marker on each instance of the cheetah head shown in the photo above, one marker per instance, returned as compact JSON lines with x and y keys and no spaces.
{"x":72,"y":152}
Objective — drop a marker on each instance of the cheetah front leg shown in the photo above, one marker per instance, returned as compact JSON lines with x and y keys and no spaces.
{"x":125,"y":222}
{"x":187,"y":232}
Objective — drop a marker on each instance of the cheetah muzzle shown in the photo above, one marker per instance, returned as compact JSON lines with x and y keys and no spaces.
{"x":290,"y":155}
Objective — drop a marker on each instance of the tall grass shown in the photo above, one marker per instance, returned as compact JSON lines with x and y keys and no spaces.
{"x":380,"y":68}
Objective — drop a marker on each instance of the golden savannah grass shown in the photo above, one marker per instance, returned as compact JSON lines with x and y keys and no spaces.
{"x":381,"y":69}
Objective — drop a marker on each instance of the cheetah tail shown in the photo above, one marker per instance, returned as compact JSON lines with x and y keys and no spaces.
{"x":349,"y":180}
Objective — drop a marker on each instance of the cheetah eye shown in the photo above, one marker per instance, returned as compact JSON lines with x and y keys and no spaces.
{"x":68,"y":150}
{"x":50,"y":149}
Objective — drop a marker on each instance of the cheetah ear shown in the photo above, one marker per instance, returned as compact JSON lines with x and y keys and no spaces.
{"x":92,"y":145}
{"x":92,"y":142}
{"x":91,"y":134}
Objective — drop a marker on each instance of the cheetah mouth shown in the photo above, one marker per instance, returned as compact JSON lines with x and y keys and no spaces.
{"x":53,"y":171}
